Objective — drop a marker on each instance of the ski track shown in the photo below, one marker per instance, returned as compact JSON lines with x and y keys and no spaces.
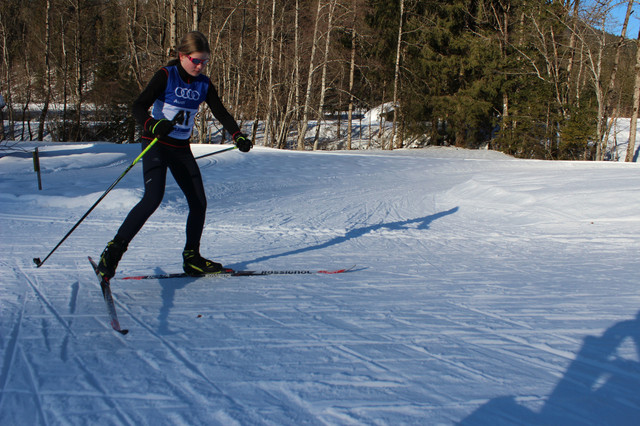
{"x":480,"y":289}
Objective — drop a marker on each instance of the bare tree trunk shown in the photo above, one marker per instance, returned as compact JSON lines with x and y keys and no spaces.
{"x":79,"y":69}
{"x":572,"y":49}
{"x":195,"y":14}
{"x":396,"y":77}
{"x":238,"y":63}
{"x":268,"y":139}
{"x":47,"y":64}
{"x":296,"y":63}
{"x":7,"y":80}
{"x":352,"y":68}
{"x":132,"y":11}
{"x":302,"y":128}
{"x":25,"y":117}
{"x":173,"y":28}
{"x":609,"y":99}
{"x":636,"y":104}
{"x":257,"y":78}
{"x":323,"y":85}
{"x":65,"y":74}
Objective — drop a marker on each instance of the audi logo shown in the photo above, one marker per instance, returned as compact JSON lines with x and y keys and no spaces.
{"x":183,"y":93}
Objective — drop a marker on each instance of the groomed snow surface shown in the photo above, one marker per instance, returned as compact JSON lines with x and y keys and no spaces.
{"x":487,"y":291}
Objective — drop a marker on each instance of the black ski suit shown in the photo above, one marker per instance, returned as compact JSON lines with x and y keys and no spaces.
{"x":174,"y":155}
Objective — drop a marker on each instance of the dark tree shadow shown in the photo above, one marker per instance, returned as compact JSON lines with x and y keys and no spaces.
{"x":170,"y":287}
{"x":422,"y":222}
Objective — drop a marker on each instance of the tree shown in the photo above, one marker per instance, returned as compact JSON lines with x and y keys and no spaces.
{"x":47,"y":78}
{"x":323,"y":78}
{"x":396,"y":77}
{"x":302,"y":127}
{"x":636,"y":104}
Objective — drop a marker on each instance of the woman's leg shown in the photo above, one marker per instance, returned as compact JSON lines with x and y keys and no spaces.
{"x":155,"y":176}
{"x":186,"y":172}
{"x":154,"y":173}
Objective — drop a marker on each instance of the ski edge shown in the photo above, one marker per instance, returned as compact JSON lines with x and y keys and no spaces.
{"x":241,"y":273}
{"x":108,"y":299}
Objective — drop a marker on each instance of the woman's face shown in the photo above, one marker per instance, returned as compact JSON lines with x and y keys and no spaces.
{"x":194,"y":63}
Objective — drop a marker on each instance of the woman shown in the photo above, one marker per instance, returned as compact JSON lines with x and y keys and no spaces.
{"x":175,"y":92}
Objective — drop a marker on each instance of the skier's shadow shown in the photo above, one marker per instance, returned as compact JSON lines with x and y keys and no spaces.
{"x":599,"y":387}
{"x":169,"y":290}
{"x":422,"y":223}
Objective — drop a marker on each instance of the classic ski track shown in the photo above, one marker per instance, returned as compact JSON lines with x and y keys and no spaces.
{"x":184,"y":359}
{"x":109,"y":399}
{"x":33,"y":381}
{"x":46,"y":302}
{"x":567,"y":355}
{"x":11,"y":349}
{"x":514,"y":339}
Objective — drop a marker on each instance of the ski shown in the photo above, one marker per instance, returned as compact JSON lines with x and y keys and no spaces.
{"x":108,"y":299}
{"x":233,"y":273}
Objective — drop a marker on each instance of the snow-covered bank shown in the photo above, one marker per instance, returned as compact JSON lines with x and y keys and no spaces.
{"x":488,"y":290}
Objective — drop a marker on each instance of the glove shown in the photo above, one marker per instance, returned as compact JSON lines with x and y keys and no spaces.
{"x":162,"y":128}
{"x":243,"y":144}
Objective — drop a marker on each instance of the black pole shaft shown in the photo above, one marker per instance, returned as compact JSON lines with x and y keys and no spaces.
{"x":37,"y":260}
{"x":216,"y":152}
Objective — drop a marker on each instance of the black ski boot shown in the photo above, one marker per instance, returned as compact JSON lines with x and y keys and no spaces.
{"x":110,"y":257}
{"x":195,"y":265}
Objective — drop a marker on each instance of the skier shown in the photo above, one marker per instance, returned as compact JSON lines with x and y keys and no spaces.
{"x":175,"y":92}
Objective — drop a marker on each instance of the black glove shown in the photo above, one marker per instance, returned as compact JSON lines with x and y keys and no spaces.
{"x":243,"y":144}
{"x":162,"y":128}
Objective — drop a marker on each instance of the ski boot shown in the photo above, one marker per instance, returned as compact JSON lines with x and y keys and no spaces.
{"x":110,"y":257}
{"x":195,"y":265}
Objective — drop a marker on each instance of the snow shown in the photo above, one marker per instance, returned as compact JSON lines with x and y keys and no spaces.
{"x":618,"y":141}
{"x":487,"y":291}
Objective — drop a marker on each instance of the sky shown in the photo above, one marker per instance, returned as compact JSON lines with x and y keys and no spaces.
{"x":618,"y":14}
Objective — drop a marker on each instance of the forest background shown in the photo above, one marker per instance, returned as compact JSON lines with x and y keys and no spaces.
{"x":534,"y":79}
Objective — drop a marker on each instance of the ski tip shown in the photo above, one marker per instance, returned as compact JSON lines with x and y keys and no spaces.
{"x":338,"y":271}
{"x":123,"y":332}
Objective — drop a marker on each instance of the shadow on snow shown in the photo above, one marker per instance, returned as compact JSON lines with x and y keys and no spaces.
{"x":599,"y":387}
{"x":422,"y":224}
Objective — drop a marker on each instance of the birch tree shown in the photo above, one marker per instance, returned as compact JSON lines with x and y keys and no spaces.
{"x":47,"y":70}
{"x":323,"y":79}
{"x":610,"y":98}
{"x":636,"y":104}
{"x":173,"y":28}
{"x":79,"y":65}
{"x":302,"y":127}
{"x":396,"y":78}
{"x":268,"y":138}
{"x":257,"y":74}
{"x":352,"y":69}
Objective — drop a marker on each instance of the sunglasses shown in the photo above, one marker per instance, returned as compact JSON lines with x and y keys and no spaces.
{"x":196,"y":61}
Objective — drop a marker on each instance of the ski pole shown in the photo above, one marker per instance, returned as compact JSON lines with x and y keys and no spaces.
{"x":179,"y":116}
{"x":216,"y":152}
{"x":37,"y":260}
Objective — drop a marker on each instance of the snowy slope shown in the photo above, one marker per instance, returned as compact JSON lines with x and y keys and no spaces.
{"x":488,"y":290}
